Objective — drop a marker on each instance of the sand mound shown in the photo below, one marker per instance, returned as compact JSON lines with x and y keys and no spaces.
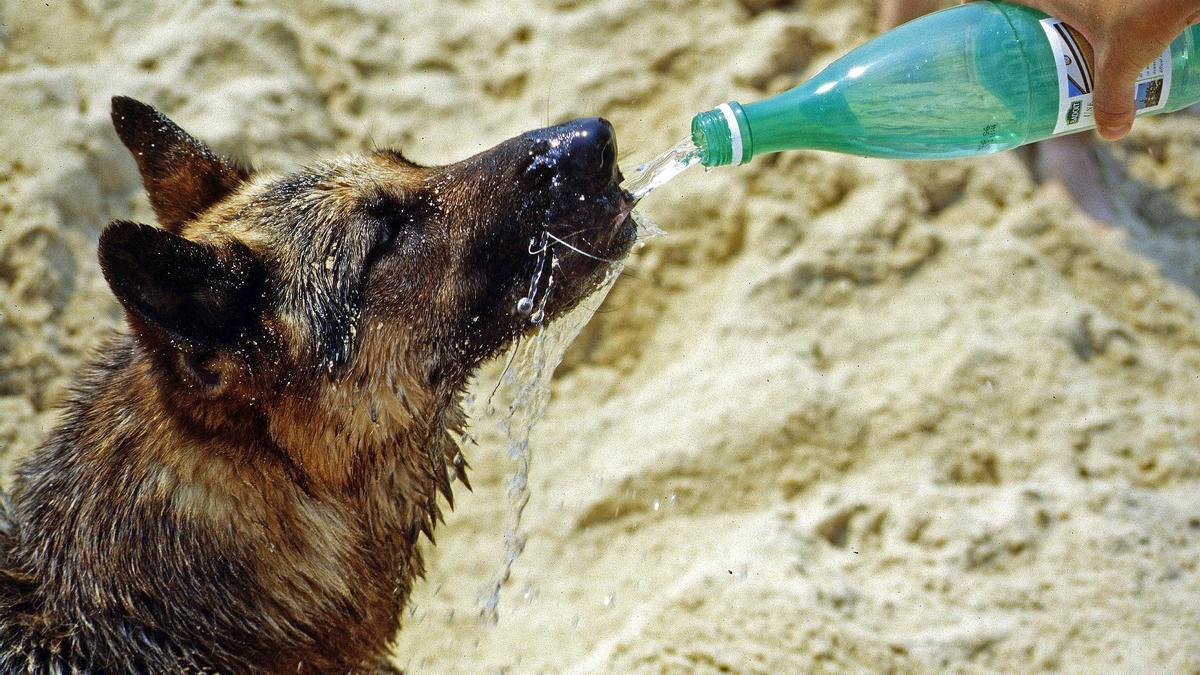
{"x":848,"y":415}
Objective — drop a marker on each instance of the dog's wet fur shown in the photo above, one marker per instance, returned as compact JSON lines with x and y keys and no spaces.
{"x":241,"y":476}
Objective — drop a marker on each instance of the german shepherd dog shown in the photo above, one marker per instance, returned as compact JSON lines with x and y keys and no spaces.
{"x":240,"y":476}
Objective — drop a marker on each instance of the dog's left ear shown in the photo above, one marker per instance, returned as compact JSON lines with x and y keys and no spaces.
{"x":183,"y":177}
{"x":196,"y":297}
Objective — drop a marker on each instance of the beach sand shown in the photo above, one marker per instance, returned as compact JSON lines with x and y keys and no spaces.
{"x":849,"y":415}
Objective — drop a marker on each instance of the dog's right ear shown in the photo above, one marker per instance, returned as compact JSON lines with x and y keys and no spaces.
{"x":183,"y":177}
{"x":196,"y":297}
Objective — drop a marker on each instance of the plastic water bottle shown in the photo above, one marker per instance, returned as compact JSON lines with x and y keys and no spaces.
{"x":969,"y":80}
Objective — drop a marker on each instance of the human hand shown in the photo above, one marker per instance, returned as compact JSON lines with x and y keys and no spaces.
{"x":1126,"y":36}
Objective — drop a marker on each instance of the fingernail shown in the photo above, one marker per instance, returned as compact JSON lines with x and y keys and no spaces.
{"x":1112,"y":132}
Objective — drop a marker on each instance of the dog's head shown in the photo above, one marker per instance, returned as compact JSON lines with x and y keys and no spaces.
{"x":369,"y":258}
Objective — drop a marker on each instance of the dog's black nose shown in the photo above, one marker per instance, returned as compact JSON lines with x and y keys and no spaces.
{"x":592,"y":148}
{"x":580,"y":149}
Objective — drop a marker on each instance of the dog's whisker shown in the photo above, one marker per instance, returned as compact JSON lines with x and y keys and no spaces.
{"x":580,"y":231}
{"x":507,"y":368}
{"x":579,"y":250}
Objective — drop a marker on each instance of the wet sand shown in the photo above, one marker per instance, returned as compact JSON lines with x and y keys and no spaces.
{"x":850,"y":415}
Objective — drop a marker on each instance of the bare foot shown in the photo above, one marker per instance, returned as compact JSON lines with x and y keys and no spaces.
{"x":1070,"y":162}
{"x":1066,"y":164}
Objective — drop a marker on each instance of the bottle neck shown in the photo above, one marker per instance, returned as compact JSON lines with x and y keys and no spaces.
{"x":734,"y":134}
{"x":723,"y":135}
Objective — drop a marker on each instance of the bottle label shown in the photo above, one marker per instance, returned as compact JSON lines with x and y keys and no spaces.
{"x":1076,"y":65}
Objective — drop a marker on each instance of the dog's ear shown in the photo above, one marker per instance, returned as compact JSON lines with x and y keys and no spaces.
{"x":183,"y":177}
{"x":195,"y":296}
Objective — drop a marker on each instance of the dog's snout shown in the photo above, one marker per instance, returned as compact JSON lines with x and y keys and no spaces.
{"x":582,"y":149}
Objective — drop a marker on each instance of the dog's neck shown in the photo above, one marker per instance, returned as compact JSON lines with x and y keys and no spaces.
{"x":312,"y":510}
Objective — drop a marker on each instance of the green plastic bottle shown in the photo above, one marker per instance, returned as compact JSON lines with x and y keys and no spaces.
{"x":969,"y":80}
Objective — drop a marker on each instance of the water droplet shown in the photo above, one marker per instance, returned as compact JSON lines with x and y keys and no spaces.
{"x":647,"y":228}
{"x":610,"y":599}
{"x":525,"y":306}
{"x":656,"y":505}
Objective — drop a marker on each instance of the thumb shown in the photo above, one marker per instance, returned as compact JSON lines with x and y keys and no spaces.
{"x":1113,"y":96}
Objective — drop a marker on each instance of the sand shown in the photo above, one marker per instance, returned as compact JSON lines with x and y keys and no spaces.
{"x":849,"y":415}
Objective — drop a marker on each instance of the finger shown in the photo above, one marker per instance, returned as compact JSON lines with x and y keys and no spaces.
{"x":1113,"y":96}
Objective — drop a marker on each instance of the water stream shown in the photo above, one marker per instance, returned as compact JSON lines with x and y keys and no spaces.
{"x":521,"y":396}
{"x":655,"y":173}
{"x":517,"y":404}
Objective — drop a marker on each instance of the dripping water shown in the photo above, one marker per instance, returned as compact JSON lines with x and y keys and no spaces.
{"x":518,"y":404}
{"x":523,"y":391}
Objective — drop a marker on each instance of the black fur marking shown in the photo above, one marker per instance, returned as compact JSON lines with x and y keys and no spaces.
{"x":378,"y":226}
{"x":337,"y":317}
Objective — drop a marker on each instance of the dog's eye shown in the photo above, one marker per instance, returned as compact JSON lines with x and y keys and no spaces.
{"x":391,"y":218}
{"x":398,"y":224}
